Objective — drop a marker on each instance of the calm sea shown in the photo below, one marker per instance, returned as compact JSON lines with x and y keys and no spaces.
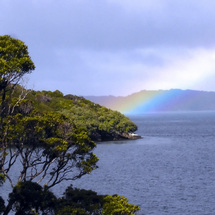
{"x":170,"y":171}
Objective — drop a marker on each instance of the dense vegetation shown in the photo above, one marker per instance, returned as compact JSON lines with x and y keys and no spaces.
{"x":50,"y":137}
{"x":30,"y":198}
{"x":101,"y":123}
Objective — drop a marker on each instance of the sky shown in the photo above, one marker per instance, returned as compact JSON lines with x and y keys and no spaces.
{"x":115,"y":47}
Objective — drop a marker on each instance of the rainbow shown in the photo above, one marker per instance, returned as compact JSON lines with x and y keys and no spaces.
{"x":153,"y":101}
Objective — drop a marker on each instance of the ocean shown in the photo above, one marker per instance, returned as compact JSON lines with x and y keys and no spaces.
{"x":171,"y":170}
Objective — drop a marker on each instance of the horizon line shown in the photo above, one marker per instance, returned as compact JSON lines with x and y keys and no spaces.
{"x":207,"y":91}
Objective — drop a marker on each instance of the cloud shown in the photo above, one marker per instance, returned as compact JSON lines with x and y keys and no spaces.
{"x":113,"y":46}
{"x":113,"y":25}
{"x":191,"y":70}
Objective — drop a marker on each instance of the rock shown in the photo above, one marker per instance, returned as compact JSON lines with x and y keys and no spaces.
{"x":105,"y":136}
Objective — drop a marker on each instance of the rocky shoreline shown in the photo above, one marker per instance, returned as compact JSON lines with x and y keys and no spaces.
{"x":113,"y":136}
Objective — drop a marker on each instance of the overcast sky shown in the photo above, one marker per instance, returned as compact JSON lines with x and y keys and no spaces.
{"x":115,"y":47}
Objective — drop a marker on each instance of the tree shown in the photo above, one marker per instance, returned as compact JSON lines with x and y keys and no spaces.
{"x":2,"y":206}
{"x":30,"y":198}
{"x":14,"y":63}
{"x":118,"y":205}
{"x":49,"y":147}
{"x":79,"y":201}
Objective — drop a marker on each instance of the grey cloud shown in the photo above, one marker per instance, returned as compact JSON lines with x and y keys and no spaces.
{"x":81,"y":46}
{"x":102,"y":25}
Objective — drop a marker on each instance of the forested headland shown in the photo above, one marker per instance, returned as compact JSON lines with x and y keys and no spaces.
{"x":51,"y":137}
{"x":100,"y":122}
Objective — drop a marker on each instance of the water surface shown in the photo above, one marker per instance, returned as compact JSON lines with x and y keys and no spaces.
{"x":170,"y":171}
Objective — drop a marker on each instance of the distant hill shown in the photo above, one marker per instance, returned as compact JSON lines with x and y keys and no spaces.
{"x":158,"y":100}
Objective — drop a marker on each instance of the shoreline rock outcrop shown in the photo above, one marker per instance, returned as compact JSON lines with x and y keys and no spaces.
{"x":113,"y":136}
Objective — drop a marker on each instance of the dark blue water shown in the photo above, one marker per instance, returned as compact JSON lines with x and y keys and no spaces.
{"x":170,"y":171}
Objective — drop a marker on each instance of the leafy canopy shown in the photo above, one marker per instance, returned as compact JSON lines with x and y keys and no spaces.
{"x":14,"y":60}
{"x":30,"y":198}
{"x":101,"y":123}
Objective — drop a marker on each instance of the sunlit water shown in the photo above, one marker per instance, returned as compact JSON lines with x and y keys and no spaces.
{"x":170,"y":171}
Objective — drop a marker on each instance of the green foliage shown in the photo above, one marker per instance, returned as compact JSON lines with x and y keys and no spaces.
{"x":100,"y":123}
{"x":118,"y":205}
{"x":30,"y":198}
{"x":14,"y":60}
{"x":80,"y":201}
{"x":68,"y":210}
{"x":50,"y":147}
{"x":14,"y":63}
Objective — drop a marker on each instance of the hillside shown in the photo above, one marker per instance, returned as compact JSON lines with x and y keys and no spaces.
{"x":100,"y":122}
{"x":159,"y":100}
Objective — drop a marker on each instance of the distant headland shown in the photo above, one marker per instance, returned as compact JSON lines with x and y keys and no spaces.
{"x":158,"y":101}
